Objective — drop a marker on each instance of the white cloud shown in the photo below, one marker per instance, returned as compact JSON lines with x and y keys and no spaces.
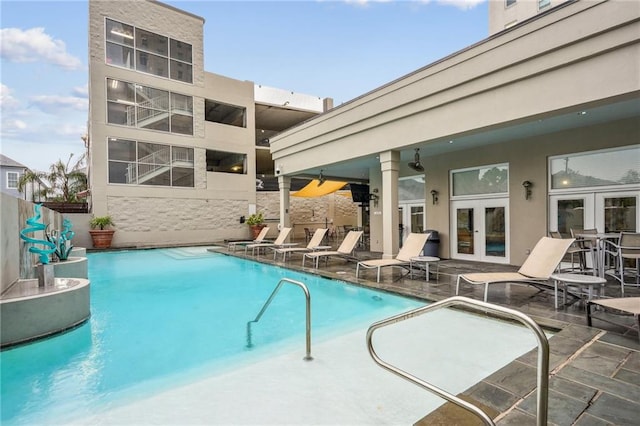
{"x":462,"y":4}
{"x":81,"y":91}
{"x":53,"y":104}
{"x":6,"y":99}
{"x":35,"y":45}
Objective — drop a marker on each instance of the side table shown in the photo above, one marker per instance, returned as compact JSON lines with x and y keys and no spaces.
{"x":577,"y":280}
{"x":426,"y":260}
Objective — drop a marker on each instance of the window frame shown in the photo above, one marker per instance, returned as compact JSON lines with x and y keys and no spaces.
{"x":484,"y":195}
{"x":11,"y":179}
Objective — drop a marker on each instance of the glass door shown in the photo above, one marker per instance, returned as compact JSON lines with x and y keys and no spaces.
{"x":617,"y":211}
{"x":571,"y":211}
{"x":480,"y":230}
{"x":411,"y":219}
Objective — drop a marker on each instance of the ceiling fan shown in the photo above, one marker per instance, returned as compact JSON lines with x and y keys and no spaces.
{"x":415,"y":164}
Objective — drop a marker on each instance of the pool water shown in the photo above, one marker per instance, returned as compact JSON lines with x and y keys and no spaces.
{"x":165,"y":317}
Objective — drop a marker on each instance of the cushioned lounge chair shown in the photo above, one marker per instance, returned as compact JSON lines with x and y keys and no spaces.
{"x":537,"y":269}
{"x":626,"y":305}
{"x":259,"y":239}
{"x":412,"y":247}
{"x":314,"y":243}
{"x":279,"y":242}
{"x":345,"y":250}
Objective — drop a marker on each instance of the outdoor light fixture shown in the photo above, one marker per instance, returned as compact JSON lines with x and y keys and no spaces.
{"x":321,"y":178}
{"x":434,"y":196}
{"x":415,"y":164}
{"x":527,"y":189}
{"x":374,"y":197}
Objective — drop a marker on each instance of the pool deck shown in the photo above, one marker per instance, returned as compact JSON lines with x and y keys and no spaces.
{"x":594,"y":371}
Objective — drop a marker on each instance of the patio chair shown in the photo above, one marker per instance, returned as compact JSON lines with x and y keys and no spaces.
{"x":537,"y":269}
{"x":259,"y":239}
{"x":345,"y":250}
{"x":585,"y":246}
{"x":314,"y":243}
{"x":412,"y":247}
{"x":625,"y":305}
{"x":626,"y":250}
{"x":279,"y":242}
{"x":572,"y":251}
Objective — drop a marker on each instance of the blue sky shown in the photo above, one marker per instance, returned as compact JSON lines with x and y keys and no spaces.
{"x":336,"y":49}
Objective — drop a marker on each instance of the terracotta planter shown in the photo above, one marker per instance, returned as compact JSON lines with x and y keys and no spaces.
{"x":102,"y":237}
{"x":255,"y":230}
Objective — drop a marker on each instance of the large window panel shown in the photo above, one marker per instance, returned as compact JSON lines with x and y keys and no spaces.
{"x":481,"y":180}
{"x":147,"y":163}
{"x":153,"y":53}
{"x":121,"y":114}
{"x":596,"y":168}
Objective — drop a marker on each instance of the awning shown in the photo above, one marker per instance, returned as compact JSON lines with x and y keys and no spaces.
{"x":313,"y":190}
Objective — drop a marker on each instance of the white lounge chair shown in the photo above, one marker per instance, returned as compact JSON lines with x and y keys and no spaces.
{"x":313,"y":245}
{"x":345,"y":250}
{"x":627,"y":305}
{"x":279,"y":242}
{"x":412,"y":247}
{"x":537,"y":269}
{"x":259,"y":239}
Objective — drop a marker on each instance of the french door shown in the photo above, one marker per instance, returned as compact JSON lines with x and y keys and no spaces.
{"x":480,"y":230}
{"x":604,"y":211}
{"x":411,"y":219}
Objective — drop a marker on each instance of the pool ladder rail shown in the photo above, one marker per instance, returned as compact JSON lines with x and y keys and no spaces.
{"x":304,"y":288}
{"x":543,"y":354}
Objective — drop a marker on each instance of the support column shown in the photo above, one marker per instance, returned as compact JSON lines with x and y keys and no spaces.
{"x":284,"y":184}
{"x":390,"y":165}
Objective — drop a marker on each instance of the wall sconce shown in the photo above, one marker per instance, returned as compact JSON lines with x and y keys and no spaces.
{"x":527,"y":189}
{"x":374,"y":197}
{"x":434,"y":196}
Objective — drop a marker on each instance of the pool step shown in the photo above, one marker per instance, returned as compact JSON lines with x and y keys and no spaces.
{"x":450,"y":414}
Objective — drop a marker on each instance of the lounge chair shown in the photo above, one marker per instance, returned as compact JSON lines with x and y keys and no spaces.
{"x":412,"y":247}
{"x":279,"y":242}
{"x":346,"y":248}
{"x":259,"y":239}
{"x":627,"y":305}
{"x":537,"y":269}
{"x":313,"y":245}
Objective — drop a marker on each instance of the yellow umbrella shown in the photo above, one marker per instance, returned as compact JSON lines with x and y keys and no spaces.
{"x":313,"y":190}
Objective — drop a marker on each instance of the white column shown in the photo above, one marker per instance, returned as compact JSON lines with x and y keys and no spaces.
{"x":284,"y":184}
{"x":390,"y":164}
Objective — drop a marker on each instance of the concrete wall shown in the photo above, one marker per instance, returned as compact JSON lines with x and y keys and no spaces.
{"x":17,"y":262}
{"x":502,"y":16}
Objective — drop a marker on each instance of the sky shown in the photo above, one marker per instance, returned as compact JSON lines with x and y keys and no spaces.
{"x":338,"y":49}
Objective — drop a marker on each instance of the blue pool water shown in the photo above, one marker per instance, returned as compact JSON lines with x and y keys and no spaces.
{"x":169,"y":316}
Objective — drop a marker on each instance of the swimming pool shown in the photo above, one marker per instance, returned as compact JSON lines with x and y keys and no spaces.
{"x":175,"y":319}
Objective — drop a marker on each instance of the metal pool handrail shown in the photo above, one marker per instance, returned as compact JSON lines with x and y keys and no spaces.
{"x":304,"y":288}
{"x":543,"y":353}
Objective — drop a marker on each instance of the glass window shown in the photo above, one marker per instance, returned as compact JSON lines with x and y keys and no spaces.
{"x":411,"y":188}
{"x":145,"y":163}
{"x":483,"y":180}
{"x":121,"y":56}
{"x":509,"y":2}
{"x":570,"y":216}
{"x":12,"y":180}
{"x":495,"y":234}
{"x":119,"y":32}
{"x":620,"y":214}
{"x":223,"y":113}
{"x":152,"y":64}
{"x":151,"y":42}
{"x":596,"y":168}
{"x":543,"y":3}
{"x":148,"y":108}
{"x":181,"y":114}
{"x":226,"y":162}
{"x":150,"y":50}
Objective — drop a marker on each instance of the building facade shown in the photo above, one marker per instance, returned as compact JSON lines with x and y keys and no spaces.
{"x":534,"y":129}
{"x":175,"y":151}
{"x":504,"y":14}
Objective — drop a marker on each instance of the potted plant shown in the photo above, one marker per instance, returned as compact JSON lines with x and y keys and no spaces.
{"x":100,"y":231}
{"x":256,"y":223}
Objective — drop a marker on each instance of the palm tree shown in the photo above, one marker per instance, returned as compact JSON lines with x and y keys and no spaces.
{"x":65,"y":180}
